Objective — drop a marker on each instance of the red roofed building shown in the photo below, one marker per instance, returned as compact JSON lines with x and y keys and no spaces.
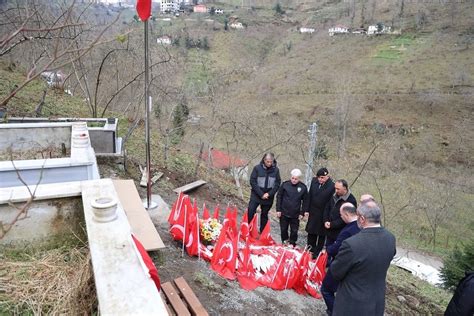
{"x":221,"y":160}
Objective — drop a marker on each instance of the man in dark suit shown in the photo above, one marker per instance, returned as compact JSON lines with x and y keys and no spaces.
{"x":320,"y":192}
{"x":329,"y":286}
{"x":332,"y":218}
{"x":361,"y":266}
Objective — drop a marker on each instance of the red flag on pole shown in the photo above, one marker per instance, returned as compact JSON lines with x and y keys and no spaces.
{"x":205,"y":212}
{"x":144,"y":9}
{"x":244,"y":227}
{"x":216,"y":212}
{"x":225,"y":254}
{"x":266,"y":238}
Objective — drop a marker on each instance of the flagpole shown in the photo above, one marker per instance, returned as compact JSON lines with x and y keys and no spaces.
{"x":149,"y":202}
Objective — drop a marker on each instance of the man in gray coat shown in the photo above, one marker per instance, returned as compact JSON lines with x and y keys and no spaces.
{"x":361,"y":266}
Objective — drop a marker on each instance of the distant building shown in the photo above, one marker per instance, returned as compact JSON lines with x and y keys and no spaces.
{"x":200,"y":8}
{"x":236,"y":25}
{"x":338,"y":29}
{"x":167,"y":6}
{"x":219,"y":11}
{"x":223,"y":161}
{"x":307,"y":30}
{"x":164,"y":40}
{"x":379,"y":28}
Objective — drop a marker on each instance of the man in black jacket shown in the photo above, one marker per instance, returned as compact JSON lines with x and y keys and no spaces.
{"x":320,"y":192}
{"x":332,"y":217}
{"x":265,"y":181}
{"x":462,"y":303}
{"x":292,"y":203}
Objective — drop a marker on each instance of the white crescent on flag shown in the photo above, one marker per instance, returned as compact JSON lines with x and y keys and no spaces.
{"x":178,"y":208}
{"x":231,"y":254}
{"x":178,"y":227}
{"x":190,"y":241}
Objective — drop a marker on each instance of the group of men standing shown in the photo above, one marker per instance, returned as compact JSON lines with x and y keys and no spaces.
{"x":359,"y":249}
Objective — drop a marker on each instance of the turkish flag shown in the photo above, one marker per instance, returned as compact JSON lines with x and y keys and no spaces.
{"x":178,"y":229}
{"x":225,"y":254}
{"x":253,"y":229}
{"x":265,"y":237}
{"x":176,"y":206}
{"x":192,"y":243}
{"x":244,"y":227}
{"x":245,"y":270}
{"x":144,"y":9}
{"x":303,"y":265}
{"x":231,"y":219}
{"x":286,"y":273}
{"x":216,"y":212}
{"x":205,"y":212}
{"x":146,"y":262}
{"x":319,"y":270}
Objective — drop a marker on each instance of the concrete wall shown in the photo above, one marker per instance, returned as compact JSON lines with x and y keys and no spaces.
{"x":46,"y":219}
{"x":23,"y":137}
{"x":82,"y":164}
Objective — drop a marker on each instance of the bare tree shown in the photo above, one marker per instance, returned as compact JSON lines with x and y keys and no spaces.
{"x":44,"y":30}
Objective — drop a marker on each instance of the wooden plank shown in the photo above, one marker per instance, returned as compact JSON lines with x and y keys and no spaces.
{"x":154,"y":178}
{"x":169,"y":309}
{"x":138,"y":217}
{"x":190,"y":186}
{"x":174,"y":299}
{"x":190,"y":298}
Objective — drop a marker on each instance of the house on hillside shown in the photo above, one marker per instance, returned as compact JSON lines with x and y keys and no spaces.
{"x":200,"y":8}
{"x":236,"y":25}
{"x":338,"y":29}
{"x":54,"y":78}
{"x":168,"y":6}
{"x":223,"y":161}
{"x":378,"y":29}
{"x":307,"y":30}
{"x":164,"y":40}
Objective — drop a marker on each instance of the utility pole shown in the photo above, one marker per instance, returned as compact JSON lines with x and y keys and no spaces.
{"x":312,"y":131}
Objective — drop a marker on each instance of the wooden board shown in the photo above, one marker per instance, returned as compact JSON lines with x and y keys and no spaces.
{"x":191,"y":299}
{"x":154,"y":178}
{"x":174,"y":299}
{"x":137,"y":215}
{"x":190,"y":186}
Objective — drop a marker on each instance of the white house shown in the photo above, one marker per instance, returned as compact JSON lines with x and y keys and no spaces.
{"x":164,"y":40}
{"x":219,"y":11}
{"x":307,"y":30}
{"x":376,"y":29}
{"x":169,"y":6}
{"x":236,"y":25}
{"x":338,"y":29}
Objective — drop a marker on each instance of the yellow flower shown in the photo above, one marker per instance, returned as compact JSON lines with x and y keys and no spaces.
{"x":207,"y":235}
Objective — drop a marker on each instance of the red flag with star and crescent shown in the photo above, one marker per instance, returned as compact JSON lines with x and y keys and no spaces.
{"x":225,"y":253}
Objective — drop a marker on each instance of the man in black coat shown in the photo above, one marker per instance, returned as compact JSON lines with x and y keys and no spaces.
{"x":265,"y":181}
{"x":329,"y":285}
{"x":462,"y":302}
{"x":361,"y":266}
{"x":332,"y":217}
{"x":291,"y":204}
{"x":320,"y":192}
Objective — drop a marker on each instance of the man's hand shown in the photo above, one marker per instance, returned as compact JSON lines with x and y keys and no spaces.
{"x":301,"y":217}
{"x":327,"y":225}
{"x":278,"y":214}
{"x":265,"y":196}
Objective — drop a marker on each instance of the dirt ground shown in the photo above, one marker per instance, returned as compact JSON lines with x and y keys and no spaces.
{"x":223,"y":297}
{"x":218,"y":295}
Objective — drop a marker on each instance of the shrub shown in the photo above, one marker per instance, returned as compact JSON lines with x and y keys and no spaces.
{"x":457,"y":263}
